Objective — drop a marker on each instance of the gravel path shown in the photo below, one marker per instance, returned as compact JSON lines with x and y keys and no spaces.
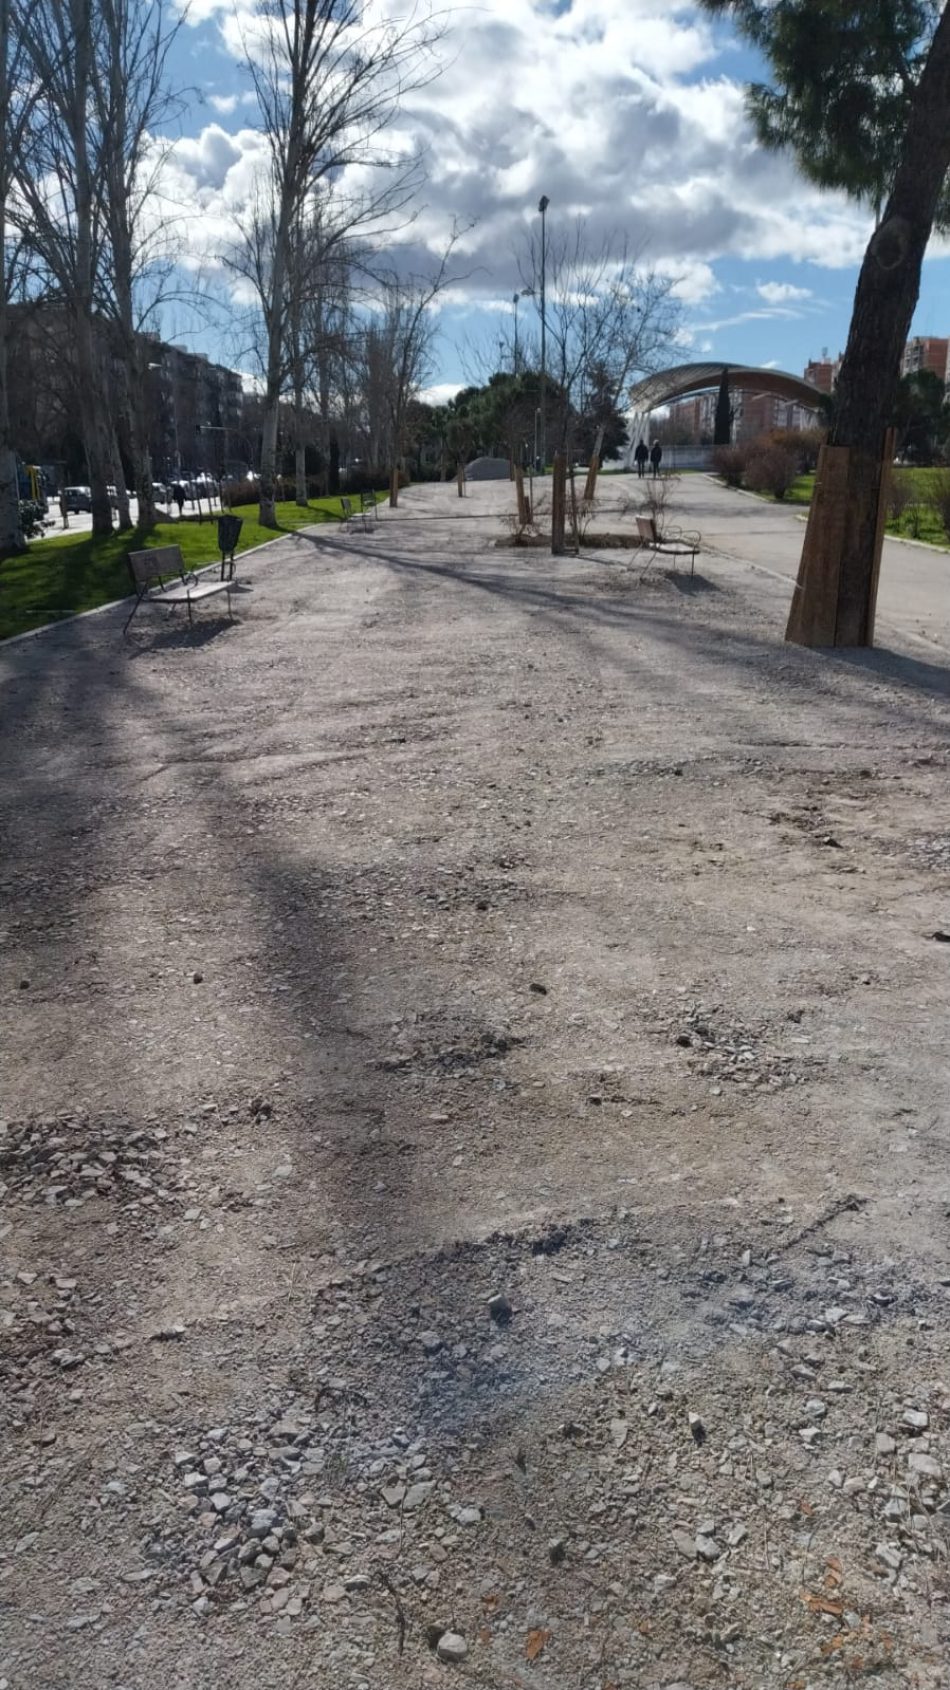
{"x":473,"y":1157}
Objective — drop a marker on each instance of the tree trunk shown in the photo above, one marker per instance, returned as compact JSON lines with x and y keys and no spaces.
{"x":93,"y":421}
{"x":300,"y":475}
{"x":333,"y":477}
{"x":268,"y":504}
{"x":118,"y":481}
{"x":138,"y":439}
{"x":839,"y":561}
{"x":11,"y":531}
{"x":394,"y":486}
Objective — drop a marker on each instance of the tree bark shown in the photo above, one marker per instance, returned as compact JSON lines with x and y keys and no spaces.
{"x":11,"y":529}
{"x":886,"y":297}
{"x":268,"y":492}
{"x":300,"y":474}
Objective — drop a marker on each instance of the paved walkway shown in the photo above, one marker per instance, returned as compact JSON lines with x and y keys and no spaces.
{"x":914,"y":597}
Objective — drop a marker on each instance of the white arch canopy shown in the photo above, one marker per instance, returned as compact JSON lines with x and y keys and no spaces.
{"x":687,"y":379}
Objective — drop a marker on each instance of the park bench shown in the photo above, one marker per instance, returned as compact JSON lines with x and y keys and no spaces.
{"x":158,"y":577}
{"x":673,"y":542}
{"x":368,"y":507}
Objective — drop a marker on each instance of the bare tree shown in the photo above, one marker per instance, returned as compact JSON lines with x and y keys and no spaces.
{"x":131,"y":97}
{"x":58,"y":205}
{"x":16,"y":101}
{"x":607,"y":319}
{"x":403,"y":343}
{"x":329,"y":81}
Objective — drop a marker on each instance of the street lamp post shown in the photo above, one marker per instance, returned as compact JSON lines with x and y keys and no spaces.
{"x":543,"y":204}
{"x":515,"y":299}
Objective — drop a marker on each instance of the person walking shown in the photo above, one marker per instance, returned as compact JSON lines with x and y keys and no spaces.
{"x":656,"y":457}
{"x":640,"y":455}
{"x":178,"y":494}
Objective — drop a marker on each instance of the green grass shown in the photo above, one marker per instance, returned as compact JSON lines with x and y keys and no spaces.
{"x":66,"y":573}
{"x":918,"y":522}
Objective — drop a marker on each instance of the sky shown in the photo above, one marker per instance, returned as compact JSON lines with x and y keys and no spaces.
{"x":628,"y":113}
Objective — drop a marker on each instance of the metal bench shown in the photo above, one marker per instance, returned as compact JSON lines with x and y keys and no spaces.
{"x":158,"y":577}
{"x":368,"y":507}
{"x":673,"y":542}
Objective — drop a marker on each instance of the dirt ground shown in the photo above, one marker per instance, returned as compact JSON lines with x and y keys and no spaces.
{"x":473,"y":1159}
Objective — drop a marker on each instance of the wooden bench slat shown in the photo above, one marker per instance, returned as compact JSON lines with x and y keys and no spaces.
{"x":158,"y":576}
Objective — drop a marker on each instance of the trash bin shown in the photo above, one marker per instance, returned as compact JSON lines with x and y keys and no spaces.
{"x":229,"y":532}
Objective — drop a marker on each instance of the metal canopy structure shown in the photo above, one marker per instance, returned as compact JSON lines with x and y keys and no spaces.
{"x":687,"y":379}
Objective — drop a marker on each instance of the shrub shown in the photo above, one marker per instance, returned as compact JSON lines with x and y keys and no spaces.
{"x":900,"y":494}
{"x":31,"y":518}
{"x":939,"y":498}
{"x":803,"y":444}
{"x":729,"y":462}
{"x":771,"y":469}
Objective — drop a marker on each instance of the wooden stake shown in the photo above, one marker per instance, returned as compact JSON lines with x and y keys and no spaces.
{"x":558,"y":501}
{"x":524,"y":516}
{"x":593,"y":467}
{"x":460,"y":480}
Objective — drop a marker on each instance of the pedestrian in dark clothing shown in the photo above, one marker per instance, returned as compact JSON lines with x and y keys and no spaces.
{"x":656,"y":457}
{"x":178,"y":494}
{"x":641,"y":454}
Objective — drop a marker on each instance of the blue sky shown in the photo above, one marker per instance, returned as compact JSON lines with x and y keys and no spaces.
{"x":626,"y":112}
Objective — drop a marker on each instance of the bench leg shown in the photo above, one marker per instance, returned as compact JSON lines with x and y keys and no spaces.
{"x":132,"y":613}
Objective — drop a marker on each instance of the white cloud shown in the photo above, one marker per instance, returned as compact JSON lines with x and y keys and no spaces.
{"x":781,"y":293}
{"x":441,"y":393}
{"x":614,"y":108}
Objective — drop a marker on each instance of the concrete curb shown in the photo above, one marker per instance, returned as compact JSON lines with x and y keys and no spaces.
{"x":112,"y":604}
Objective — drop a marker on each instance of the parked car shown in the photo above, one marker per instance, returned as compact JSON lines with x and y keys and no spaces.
{"x":78,"y":498}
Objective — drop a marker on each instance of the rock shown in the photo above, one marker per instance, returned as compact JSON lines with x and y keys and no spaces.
{"x":451,"y":1648}
{"x":469,"y":1516}
{"x":685,"y":1544}
{"x":500,"y":1309}
{"x":618,"y":1433}
{"x":418,"y":1494}
{"x":431,"y":1343}
{"x":392,"y":1495}
{"x":220,"y":1502}
{"x":697,"y":1429}
{"x":557,"y":1550}
{"x":915,"y":1420}
{"x":263,"y":1521}
{"x":925,"y":1466}
{"x":333,"y":1593}
{"x":707,"y":1548}
{"x":890,"y":1555}
{"x":736,"y":1535}
{"x":815,"y":1409}
{"x":884,"y":1444}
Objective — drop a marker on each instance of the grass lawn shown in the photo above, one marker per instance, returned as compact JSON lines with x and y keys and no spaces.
{"x":66,"y":573}
{"x":919,"y":521}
